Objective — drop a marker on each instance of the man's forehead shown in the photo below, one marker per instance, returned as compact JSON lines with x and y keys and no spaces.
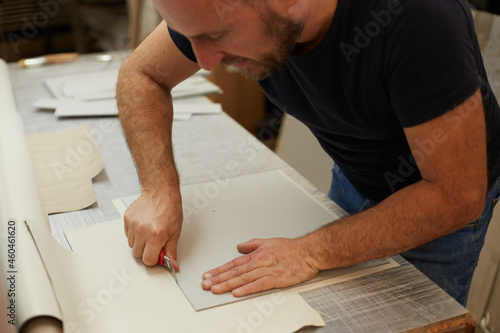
{"x":207,"y":17}
{"x":197,"y":6}
{"x":183,"y":6}
{"x":195,"y":16}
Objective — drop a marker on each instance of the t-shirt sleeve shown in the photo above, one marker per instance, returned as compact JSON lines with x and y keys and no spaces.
{"x":430,"y":61}
{"x":183,"y":44}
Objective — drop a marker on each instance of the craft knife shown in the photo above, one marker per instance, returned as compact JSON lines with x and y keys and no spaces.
{"x":165,"y":261}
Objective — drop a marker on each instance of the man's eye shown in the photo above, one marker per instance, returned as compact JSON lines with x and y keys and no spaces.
{"x":214,"y":37}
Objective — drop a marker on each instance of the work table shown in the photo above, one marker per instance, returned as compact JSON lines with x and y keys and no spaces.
{"x":398,"y":299}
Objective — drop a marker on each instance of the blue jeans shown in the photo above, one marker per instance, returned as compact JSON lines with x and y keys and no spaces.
{"x":450,"y":260}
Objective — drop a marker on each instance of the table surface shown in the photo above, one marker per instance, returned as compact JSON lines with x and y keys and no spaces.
{"x":396,"y":300}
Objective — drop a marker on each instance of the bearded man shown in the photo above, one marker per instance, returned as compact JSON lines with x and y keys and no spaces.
{"x":396,"y":93}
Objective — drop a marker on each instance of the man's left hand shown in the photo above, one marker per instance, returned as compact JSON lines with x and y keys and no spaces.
{"x":267,"y":264}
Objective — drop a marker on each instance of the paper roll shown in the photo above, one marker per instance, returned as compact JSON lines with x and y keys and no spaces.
{"x":32,"y":294}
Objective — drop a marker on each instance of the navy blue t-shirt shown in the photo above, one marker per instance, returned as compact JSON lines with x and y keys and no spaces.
{"x":384,"y":65}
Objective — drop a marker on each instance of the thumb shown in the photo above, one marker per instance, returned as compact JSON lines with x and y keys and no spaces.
{"x":250,"y":246}
{"x":171,"y":252}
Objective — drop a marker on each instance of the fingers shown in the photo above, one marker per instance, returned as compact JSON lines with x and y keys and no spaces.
{"x":218,"y":278}
{"x":250,"y":246}
{"x":233,"y":264}
{"x":240,"y":275}
{"x":150,"y":254}
{"x":272,"y":263}
{"x":239,"y":272}
{"x":244,"y":284}
{"x":147,"y":242}
{"x":149,"y":249}
{"x":130,"y":237}
{"x":138,"y":248}
{"x":171,"y":252}
{"x":256,"y":286}
{"x":153,"y":225}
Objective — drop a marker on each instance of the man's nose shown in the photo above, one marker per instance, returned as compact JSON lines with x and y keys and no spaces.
{"x":207,"y":54}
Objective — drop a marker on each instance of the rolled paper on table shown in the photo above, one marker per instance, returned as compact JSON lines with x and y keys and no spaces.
{"x":33,"y":295}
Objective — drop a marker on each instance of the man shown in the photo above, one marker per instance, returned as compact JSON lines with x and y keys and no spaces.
{"x":394,"y":90}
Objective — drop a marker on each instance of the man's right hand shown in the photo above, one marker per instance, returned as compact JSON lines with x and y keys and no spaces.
{"x":145,"y":107}
{"x":153,"y":222}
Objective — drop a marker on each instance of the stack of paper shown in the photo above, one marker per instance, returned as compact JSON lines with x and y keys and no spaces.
{"x":94,"y":94}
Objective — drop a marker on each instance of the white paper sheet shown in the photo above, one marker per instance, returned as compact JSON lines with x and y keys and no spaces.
{"x":102,"y":85}
{"x":72,"y":108}
{"x":66,"y":86}
{"x":102,"y":288}
{"x":195,"y":86}
{"x":220,"y":214}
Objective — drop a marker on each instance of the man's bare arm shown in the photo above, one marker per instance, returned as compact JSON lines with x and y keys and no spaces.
{"x":450,"y":195}
{"x":145,"y":108}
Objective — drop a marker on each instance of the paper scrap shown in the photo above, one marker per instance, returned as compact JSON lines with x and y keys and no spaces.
{"x":65,"y":163}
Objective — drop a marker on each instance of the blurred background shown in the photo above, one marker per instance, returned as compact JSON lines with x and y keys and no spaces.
{"x":30,"y":28}
{"x":35,"y":27}
{"x":492,"y":6}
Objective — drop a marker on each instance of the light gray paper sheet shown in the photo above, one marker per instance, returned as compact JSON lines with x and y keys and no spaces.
{"x":219,"y":215}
